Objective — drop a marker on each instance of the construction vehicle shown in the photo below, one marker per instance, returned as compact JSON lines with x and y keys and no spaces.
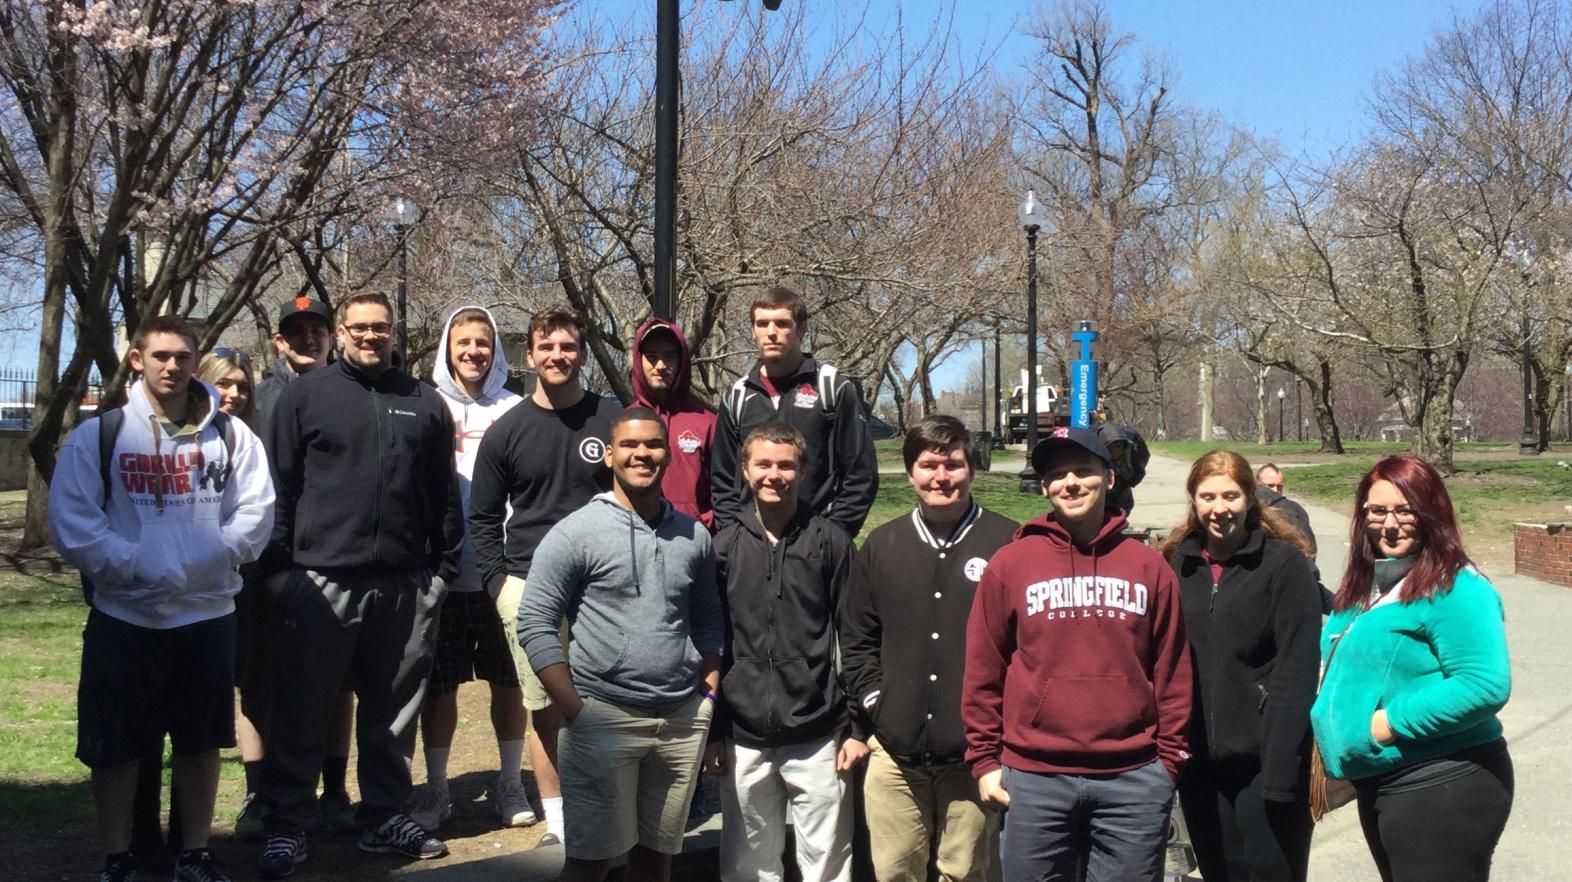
{"x":1053,"y":410}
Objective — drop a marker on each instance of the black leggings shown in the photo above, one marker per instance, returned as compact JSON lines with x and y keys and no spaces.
{"x":1239,"y":836}
{"x":1444,"y":831}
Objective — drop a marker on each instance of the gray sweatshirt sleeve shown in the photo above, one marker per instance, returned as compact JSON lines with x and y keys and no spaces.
{"x":704,"y":601}
{"x":553,"y":581}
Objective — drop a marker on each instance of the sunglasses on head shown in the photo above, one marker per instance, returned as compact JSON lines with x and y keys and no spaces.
{"x":237,"y":355}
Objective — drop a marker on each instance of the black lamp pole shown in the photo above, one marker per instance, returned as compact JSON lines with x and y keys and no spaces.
{"x":667,"y":24}
{"x":1280,"y":396}
{"x":1030,"y":482}
{"x":998,"y":398}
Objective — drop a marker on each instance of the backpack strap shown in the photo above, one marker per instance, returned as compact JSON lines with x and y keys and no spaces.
{"x":109,"y":424}
{"x":225,"y":424}
{"x":735,"y":397}
{"x":827,"y":377}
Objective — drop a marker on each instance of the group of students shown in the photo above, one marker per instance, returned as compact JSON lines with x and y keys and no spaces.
{"x":661,"y":590}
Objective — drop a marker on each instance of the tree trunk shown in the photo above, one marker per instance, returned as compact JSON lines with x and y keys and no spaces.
{"x":1162,"y":404}
{"x":1544,"y":405}
{"x":1321,"y":403}
{"x":1206,"y":401}
{"x":1262,"y":436}
{"x":1434,"y":440}
{"x":924,"y":378}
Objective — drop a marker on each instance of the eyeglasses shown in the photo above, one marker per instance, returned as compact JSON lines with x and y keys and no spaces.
{"x":372,"y":329}
{"x":239,"y":356}
{"x":1378,"y":514}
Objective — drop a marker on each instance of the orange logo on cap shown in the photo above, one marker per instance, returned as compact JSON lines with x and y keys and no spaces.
{"x":1061,"y":432}
{"x":302,"y":302}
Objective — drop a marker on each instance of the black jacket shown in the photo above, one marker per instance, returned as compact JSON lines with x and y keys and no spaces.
{"x":363,"y":469}
{"x":841,"y":476}
{"x":783,"y":607}
{"x":1255,"y":640}
{"x":903,"y":642}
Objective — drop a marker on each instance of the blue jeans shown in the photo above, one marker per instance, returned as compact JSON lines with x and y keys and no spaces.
{"x":1116,"y":825}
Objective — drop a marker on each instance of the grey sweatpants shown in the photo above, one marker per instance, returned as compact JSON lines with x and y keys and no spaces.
{"x":379,"y":627}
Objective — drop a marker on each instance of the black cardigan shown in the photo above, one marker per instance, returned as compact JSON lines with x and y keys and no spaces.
{"x":1255,"y":637}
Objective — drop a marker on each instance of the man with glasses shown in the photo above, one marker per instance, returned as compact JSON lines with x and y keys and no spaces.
{"x":367,"y":533}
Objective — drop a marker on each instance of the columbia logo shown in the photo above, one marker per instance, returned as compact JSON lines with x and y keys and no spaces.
{"x":395,"y":410}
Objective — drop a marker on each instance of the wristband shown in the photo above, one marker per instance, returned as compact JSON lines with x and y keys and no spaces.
{"x":709,"y":694}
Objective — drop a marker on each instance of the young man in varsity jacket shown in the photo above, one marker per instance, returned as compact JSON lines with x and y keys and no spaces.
{"x":784,"y":739}
{"x":903,"y":645}
{"x":1078,"y":682}
{"x":840,"y":474}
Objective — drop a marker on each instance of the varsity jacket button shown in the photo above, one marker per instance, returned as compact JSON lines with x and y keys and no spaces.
{"x":933,"y":676}
{"x":936,"y":635}
{"x":938,"y":594}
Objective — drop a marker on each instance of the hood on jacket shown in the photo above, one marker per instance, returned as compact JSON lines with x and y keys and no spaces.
{"x":204,"y":400}
{"x":1111,"y":532}
{"x":496,"y":376}
{"x":681,"y":387}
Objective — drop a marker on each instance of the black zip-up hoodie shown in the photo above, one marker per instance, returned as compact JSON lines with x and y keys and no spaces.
{"x":840,"y":474}
{"x":783,"y":609}
{"x":363,"y":469}
{"x":1254,"y":637}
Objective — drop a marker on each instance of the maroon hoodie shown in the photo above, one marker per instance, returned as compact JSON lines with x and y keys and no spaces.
{"x":1076,"y":658}
{"x":689,"y":425}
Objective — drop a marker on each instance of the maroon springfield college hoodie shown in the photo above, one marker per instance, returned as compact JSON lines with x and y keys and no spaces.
{"x":1076,"y":658}
{"x":690,"y":426}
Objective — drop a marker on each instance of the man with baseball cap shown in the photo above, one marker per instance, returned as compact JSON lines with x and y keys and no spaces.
{"x":303,"y":339}
{"x":1078,"y":683}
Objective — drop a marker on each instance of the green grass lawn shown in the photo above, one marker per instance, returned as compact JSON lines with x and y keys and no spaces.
{"x":1490,"y":494}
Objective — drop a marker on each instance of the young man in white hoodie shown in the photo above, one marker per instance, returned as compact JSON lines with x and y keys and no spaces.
{"x":158,"y":531}
{"x":471,"y":641}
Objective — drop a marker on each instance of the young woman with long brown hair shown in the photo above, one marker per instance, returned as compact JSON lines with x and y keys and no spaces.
{"x":1252,"y":611}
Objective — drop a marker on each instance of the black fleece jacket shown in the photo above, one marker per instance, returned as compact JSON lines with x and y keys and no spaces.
{"x":783,"y":608}
{"x":1254,"y":636}
{"x":363,"y":469}
{"x":841,"y":472}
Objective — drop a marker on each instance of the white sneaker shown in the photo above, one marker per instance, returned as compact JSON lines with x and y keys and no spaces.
{"x":432,"y":807}
{"x":511,"y":804}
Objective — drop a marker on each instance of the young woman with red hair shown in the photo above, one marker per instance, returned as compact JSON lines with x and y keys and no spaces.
{"x":1252,"y":612}
{"x":1416,"y":668}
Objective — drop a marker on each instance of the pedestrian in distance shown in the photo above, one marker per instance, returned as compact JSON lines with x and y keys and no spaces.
{"x":472,"y":642}
{"x":1252,"y":612}
{"x":303,"y":341}
{"x":786,"y":738}
{"x":538,"y":463}
{"x":1078,"y":682}
{"x":157,"y":503}
{"x":903,"y":645}
{"x":1416,"y":670}
{"x":839,"y":472}
{"x":367,"y":535}
{"x":635,"y":578}
{"x":662,"y":373}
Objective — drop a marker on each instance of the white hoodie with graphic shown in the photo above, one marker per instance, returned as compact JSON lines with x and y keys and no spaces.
{"x":471,"y":418}
{"x":180,"y":515}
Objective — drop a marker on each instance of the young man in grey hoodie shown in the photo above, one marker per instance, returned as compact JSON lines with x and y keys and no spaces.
{"x":635,"y":579}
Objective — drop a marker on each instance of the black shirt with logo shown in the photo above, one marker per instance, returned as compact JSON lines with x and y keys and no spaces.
{"x":534,"y":468}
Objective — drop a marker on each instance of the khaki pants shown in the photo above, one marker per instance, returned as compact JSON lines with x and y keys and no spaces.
{"x":508,"y":600}
{"x":917,"y":811}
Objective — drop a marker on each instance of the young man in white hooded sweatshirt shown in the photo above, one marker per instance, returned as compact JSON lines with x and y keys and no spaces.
{"x":470,"y":371}
{"x":186,"y":502}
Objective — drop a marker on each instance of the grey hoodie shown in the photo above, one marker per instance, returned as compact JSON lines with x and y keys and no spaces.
{"x":641,"y":603}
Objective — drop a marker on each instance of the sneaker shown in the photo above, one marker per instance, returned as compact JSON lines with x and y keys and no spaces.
{"x":401,"y":835}
{"x":548,"y":840}
{"x":198,"y":865}
{"x":281,"y":854}
{"x":432,"y":807}
{"x":511,"y":804}
{"x":251,"y":823}
{"x":338,"y":816}
{"x":119,"y":868}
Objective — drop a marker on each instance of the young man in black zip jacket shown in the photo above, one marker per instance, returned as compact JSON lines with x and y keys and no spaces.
{"x":840,"y":474}
{"x":785,"y":740}
{"x":903,"y":644}
{"x":367,"y":530}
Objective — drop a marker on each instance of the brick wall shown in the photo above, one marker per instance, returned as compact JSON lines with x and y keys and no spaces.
{"x":1544,"y":551}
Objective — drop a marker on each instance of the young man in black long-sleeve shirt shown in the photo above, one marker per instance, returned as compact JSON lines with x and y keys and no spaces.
{"x":840,"y":474}
{"x":367,"y":530}
{"x":537,"y":464}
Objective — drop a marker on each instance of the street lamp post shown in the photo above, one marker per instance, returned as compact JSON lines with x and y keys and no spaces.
{"x":1280,"y":396}
{"x":998,"y":399}
{"x":401,"y":211}
{"x":1299,"y":405}
{"x":1031,"y":216}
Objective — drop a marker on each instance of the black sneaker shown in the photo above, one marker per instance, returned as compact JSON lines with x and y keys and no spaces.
{"x":281,"y":854}
{"x":198,"y":865}
{"x":119,"y":868}
{"x":401,"y":835}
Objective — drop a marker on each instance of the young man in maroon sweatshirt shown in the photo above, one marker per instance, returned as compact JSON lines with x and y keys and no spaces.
{"x":662,"y":373}
{"x":1077,"y":689}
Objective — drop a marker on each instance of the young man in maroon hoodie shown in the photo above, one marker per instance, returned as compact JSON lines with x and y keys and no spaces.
{"x":1078,"y":683}
{"x":662,"y":381}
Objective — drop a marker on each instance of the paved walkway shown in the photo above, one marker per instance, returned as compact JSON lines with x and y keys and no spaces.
{"x":1538,"y":719}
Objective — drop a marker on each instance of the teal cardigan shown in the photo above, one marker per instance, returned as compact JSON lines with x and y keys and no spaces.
{"x":1438,"y":666}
